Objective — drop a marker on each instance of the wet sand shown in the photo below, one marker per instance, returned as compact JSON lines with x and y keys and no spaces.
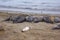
{"x":39,"y":31}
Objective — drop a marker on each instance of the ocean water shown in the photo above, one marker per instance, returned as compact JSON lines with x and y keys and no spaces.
{"x":35,"y":6}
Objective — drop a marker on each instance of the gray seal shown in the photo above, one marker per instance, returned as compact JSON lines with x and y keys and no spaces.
{"x":19,"y":19}
{"x":47,"y":19}
{"x":38,"y":19}
{"x":56,"y":27}
{"x":29,"y":18}
{"x":57,"y":20}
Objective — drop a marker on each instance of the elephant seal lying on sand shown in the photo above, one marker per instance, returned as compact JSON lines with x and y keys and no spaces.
{"x":57,"y":20}
{"x":38,"y":19}
{"x":13,"y":17}
{"x":29,"y":18}
{"x":19,"y":19}
{"x":56,"y":27}
{"x":10,"y":18}
{"x":48,"y":19}
{"x":16,"y":19}
{"x":34,"y":19}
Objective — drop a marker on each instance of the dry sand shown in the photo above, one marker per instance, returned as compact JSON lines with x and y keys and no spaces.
{"x":39,"y":31}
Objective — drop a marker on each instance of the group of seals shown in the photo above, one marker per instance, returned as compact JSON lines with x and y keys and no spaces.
{"x":35,"y":19}
{"x":52,"y":19}
{"x":20,"y":19}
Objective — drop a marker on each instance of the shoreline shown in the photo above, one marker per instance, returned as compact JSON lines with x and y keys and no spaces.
{"x":10,"y":10}
{"x":26,"y":13}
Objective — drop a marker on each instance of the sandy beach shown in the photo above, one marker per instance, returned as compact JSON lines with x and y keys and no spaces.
{"x":39,"y":31}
